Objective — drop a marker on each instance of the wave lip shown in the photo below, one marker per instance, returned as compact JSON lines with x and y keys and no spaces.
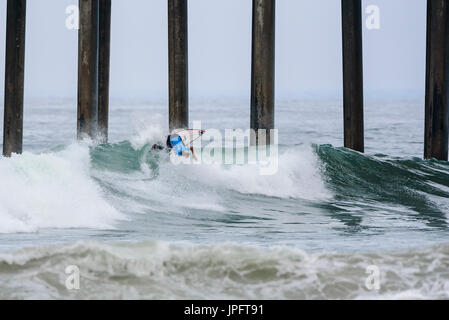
{"x":160,"y":270}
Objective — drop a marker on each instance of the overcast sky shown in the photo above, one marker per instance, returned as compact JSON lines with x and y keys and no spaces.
{"x":308,"y":48}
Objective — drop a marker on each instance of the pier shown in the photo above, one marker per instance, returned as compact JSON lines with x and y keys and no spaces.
{"x":88,"y":44}
{"x":14,"y":77}
{"x":262,"y":69}
{"x":104,"y":54}
{"x":94,"y":37}
{"x":178,"y":73}
{"x":352,"y":74}
{"x":437,"y":73}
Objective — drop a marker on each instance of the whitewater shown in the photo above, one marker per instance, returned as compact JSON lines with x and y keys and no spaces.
{"x":138,"y":226}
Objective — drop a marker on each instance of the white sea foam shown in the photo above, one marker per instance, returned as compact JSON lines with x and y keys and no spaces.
{"x":298,"y":176}
{"x":52,"y":190}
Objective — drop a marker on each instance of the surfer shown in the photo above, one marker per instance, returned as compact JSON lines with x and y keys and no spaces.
{"x":174,"y":141}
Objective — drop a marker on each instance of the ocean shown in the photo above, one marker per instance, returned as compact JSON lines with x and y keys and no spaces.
{"x":330,"y":223}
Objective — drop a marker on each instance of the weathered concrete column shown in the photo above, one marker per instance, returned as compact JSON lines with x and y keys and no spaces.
{"x":88,"y":69}
{"x":352,"y":74}
{"x":263,"y":68}
{"x":14,"y":77}
{"x":104,"y":67}
{"x":437,"y":77}
{"x":178,"y":64}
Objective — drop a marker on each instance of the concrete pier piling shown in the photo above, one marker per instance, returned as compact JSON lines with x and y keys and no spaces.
{"x":178,"y":64}
{"x":352,"y":74}
{"x":437,"y":80}
{"x":263,"y":69}
{"x":88,"y":39}
{"x":14,"y":77}
{"x":104,"y":67}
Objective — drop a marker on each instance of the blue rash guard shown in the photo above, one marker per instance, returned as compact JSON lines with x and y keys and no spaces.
{"x":178,"y":145}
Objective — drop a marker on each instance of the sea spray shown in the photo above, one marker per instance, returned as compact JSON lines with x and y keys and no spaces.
{"x":52,"y":190}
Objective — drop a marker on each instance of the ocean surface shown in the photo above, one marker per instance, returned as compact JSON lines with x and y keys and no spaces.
{"x":136,"y":225}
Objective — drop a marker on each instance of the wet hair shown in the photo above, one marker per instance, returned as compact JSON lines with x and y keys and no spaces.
{"x":157,"y":147}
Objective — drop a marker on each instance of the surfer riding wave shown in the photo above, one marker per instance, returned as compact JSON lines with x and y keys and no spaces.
{"x":177,"y":141}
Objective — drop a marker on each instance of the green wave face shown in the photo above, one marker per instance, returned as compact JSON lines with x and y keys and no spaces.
{"x":376,"y":182}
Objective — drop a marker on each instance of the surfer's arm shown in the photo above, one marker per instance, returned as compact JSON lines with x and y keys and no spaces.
{"x":193,"y":153}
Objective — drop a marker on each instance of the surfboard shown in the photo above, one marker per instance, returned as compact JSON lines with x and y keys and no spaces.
{"x":188,"y":136}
